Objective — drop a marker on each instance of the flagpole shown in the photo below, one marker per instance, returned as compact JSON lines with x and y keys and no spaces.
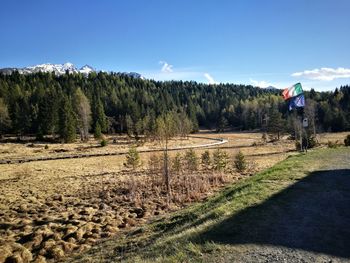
{"x":301,"y":133}
{"x":295,"y":96}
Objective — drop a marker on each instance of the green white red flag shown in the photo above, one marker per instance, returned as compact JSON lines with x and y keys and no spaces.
{"x":292,"y":91}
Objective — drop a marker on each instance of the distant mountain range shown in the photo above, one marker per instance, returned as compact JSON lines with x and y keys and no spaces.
{"x":60,"y":69}
{"x":271,"y":88}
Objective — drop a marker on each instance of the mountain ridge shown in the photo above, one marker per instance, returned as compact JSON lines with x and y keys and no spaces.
{"x":60,"y":69}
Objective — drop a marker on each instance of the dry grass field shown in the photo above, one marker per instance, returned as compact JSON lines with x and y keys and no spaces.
{"x":115,"y":144}
{"x":53,"y":209}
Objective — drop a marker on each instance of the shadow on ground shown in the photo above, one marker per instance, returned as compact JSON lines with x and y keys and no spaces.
{"x":312,"y":214}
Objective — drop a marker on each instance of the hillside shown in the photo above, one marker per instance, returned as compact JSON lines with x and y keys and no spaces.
{"x":296,"y":211}
{"x":47,"y":105}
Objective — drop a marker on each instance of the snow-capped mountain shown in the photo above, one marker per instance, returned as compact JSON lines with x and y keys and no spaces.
{"x":59,"y":69}
{"x":271,"y":88}
{"x":86,"y":69}
{"x":133,"y":75}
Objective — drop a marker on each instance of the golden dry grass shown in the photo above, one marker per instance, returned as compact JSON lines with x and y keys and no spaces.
{"x":122,"y":144}
{"x":54,"y":208}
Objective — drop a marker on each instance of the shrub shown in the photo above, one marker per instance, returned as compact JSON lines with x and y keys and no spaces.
{"x":240,"y":162}
{"x":347,"y":140}
{"x":331,"y":144}
{"x":191,"y":160}
{"x":103,"y":143}
{"x":132,"y":158}
{"x":220,"y":160}
{"x":176,"y":163}
{"x":312,"y":142}
{"x":205,"y":158}
{"x":46,"y":147}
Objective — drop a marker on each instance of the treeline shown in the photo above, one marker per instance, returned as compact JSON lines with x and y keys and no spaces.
{"x":45,"y":104}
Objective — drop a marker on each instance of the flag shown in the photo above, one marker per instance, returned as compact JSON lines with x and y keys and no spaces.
{"x":297,"y":102}
{"x":292,"y":91}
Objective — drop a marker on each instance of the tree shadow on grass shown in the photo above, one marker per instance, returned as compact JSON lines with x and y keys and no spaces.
{"x":312,"y":214}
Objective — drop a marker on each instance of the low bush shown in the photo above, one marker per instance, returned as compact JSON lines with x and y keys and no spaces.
{"x":205,"y":159}
{"x":191,"y":160}
{"x":132,"y":158}
{"x":220,"y":160}
{"x":103,"y":143}
{"x":240,"y":162}
{"x":176,"y":163}
{"x":347,"y":140}
{"x":331,"y":144}
{"x":312,"y":142}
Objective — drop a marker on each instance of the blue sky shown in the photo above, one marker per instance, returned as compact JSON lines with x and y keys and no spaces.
{"x":251,"y":42}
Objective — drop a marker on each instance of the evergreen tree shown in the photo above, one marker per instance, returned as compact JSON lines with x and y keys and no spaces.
{"x":240,"y":162}
{"x":48,"y":114}
{"x":67,"y":123}
{"x":276,"y":124}
{"x":191,"y":160}
{"x":98,"y":133}
{"x":220,"y":160}
{"x":222,"y":124}
{"x":132,"y":158}
{"x":205,"y":159}
{"x":33,"y":102}
{"x":99,"y":116}
{"x":176,"y":163}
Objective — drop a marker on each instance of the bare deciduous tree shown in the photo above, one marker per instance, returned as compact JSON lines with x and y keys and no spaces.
{"x":83,"y":112}
{"x":4,"y":116}
{"x":165,"y":130}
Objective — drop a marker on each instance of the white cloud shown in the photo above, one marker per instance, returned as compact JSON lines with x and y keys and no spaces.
{"x":209,"y":78}
{"x":166,"y":68}
{"x":261,"y":83}
{"x":327,"y":74}
{"x":168,"y":72}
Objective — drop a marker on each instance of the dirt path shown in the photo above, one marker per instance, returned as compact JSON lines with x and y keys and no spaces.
{"x":217,"y":142}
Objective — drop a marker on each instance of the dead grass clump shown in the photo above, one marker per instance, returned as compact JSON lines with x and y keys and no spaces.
{"x":14,"y":252}
{"x":84,"y":231}
{"x":83,"y":248}
{"x":5,"y":252}
{"x":48,"y":244}
{"x":67,"y":247}
{"x":111,"y":229}
{"x":56,"y":252}
{"x":40,"y":259}
{"x":70,"y":229}
{"x":45,"y":231}
{"x":36,"y":240}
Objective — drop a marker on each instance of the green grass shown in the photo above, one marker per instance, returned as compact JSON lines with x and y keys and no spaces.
{"x":180,"y":237}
